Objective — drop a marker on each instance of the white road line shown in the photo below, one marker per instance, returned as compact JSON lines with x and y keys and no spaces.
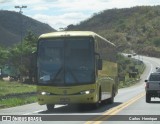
{"x":33,"y":112}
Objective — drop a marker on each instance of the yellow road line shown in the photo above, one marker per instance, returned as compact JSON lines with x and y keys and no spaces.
{"x":115,"y":110}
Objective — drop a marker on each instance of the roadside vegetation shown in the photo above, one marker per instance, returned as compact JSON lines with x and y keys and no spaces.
{"x":130,"y":70}
{"x":18,"y":61}
{"x":11,"y":88}
{"x":11,"y":102}
{"x":15,"y":93}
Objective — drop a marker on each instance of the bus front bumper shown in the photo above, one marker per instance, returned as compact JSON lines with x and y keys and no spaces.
{"x":67,"y":99}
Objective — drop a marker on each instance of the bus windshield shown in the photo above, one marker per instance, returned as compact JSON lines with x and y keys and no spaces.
{"x":66,"y":61}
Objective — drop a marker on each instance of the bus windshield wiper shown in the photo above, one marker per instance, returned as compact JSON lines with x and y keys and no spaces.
{"x":74,"y":77}
{"x":58,"y":72}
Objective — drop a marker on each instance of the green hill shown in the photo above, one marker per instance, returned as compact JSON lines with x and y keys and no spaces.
{"x":10,"y":27}
{"x":136,"y":28}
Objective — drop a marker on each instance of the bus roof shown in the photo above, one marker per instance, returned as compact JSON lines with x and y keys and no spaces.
{"x":68,"y":33}
{"x":72,"y":34}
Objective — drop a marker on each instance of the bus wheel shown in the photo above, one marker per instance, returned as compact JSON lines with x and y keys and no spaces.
{"x":111,"y":100}
{"x":50,"y":107}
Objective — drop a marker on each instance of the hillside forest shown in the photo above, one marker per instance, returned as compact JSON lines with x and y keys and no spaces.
{"x":131,"y":29}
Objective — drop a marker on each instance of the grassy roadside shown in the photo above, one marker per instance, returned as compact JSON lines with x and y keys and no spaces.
{"x":14,"y":94}
{"x":11,"y":102}
{"x":7,"y":88}
{"x":131,"y":81}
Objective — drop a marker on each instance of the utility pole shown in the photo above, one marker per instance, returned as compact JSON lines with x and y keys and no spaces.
{"x":21,"y":25}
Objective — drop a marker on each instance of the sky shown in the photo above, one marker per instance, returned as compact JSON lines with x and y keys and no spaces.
{"x":61,"y":13}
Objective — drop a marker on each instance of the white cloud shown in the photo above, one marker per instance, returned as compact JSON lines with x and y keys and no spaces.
{"x":40,"y":8}
{"x":27,"y":2}
{"x":61,"y":21}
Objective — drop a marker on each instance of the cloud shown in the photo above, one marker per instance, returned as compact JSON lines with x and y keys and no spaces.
{"x":77,"y":5}
{"x":27,"y":2}
{"x":40,"y":8}
{"x":61,"y":21}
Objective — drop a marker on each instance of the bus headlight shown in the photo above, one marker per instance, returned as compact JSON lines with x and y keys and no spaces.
{"x":45,"y":93}
{"x":87,"y":91}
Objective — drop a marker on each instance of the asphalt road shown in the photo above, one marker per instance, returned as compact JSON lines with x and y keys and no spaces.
{"x":128,"y":103}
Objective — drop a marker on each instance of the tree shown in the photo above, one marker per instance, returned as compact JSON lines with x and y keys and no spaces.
{"x":4,"y":53}
{"x":25,"y":51}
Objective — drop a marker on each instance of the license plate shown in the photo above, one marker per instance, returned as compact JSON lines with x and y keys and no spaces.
{"x":64,"y":100}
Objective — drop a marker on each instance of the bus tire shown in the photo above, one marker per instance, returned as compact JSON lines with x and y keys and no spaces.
{"x":111,"y":100}
{"x":50,"y":107}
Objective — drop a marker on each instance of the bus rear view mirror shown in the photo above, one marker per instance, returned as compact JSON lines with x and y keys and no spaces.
{"x":100,"y":64}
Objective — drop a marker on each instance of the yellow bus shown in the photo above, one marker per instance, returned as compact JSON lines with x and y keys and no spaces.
{"x":76,"y":67}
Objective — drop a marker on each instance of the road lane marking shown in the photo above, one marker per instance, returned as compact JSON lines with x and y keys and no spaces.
{"x":35,"y":112}
{"x":115,"y":110}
